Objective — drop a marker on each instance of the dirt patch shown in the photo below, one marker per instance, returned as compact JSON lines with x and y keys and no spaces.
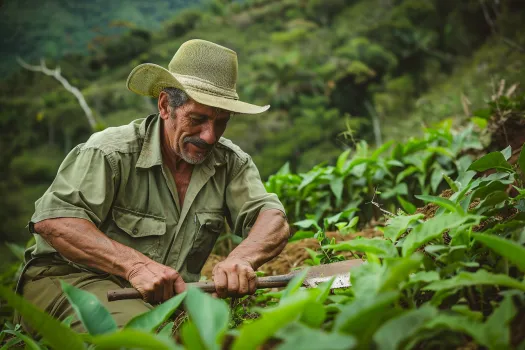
{"x":430,"y":209}
{"x":293,"y":255}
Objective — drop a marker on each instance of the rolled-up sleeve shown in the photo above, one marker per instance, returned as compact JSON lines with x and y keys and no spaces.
{"x":246,"y":197}
{"x":83,"y":188}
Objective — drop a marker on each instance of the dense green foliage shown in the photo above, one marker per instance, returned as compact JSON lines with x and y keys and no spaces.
{"x":350,"y":84}
{"x":335,"y":73}
{"x":450,"y":277}
{"x":35,"y":29}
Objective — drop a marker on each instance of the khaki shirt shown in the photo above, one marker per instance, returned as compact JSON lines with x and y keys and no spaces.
{"x":117,"y":180}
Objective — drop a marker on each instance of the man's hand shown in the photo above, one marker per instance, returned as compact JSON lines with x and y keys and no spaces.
{"x":234,"y":277}
{"x":156,"y":282}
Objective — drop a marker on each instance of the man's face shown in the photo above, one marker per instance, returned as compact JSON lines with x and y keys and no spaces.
{"x":193,"y":129}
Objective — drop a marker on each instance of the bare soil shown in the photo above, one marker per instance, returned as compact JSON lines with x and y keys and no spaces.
{"x":293,"y":255}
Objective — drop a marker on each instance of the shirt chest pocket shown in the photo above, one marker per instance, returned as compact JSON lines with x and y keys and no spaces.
{"x":209,"y":226}
{"x":141,"y":232}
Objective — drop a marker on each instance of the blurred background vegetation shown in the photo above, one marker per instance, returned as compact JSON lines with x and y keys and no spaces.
{"x":334,"y":71}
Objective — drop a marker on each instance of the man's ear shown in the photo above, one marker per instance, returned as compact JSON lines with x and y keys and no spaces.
{"x":164,"y":106}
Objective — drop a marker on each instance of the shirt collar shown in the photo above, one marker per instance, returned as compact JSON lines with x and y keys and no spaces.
{"x":151,"y":154}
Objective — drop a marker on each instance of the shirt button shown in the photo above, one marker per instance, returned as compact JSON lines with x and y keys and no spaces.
{"x":135,"y":231}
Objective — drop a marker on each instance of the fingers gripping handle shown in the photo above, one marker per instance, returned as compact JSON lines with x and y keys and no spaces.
{"x":207,"y":286}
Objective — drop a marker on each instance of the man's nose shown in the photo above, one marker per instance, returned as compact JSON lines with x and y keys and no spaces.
{"x":208,"y":134}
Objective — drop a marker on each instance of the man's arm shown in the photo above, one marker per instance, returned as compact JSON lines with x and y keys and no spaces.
{"x":235,"y":276}
{"x":80,"y":241}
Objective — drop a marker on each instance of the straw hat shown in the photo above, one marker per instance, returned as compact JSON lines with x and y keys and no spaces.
{"x":207,"y":72}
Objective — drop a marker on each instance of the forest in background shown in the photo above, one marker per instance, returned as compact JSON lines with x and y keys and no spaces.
{"x":335,"y":72}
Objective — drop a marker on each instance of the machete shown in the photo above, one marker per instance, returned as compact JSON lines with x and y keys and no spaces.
{"x":316,"y":275}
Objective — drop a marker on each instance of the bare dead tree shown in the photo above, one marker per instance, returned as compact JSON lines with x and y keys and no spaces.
{"x":56,"y":73}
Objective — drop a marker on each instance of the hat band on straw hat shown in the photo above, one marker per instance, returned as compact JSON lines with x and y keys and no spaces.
{"x":200,"y":85}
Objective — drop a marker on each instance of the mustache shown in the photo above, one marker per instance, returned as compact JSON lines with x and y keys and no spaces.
{"x":197,"y":142}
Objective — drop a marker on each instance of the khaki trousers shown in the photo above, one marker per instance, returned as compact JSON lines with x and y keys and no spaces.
{"x":40,"y":285}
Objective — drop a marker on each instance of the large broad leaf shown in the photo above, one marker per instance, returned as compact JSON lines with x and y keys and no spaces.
{"x":442,"y":202}
{"x":458,"y":323}
{"x":53,"y":332}
{"x":399,"y":329}
{"x":210,"y":316}
{"x":366,"y":279}
{"x":90,"y":311}
{"x":133,"y":339}
{"x":361,"y":311}
{"x":190,"y":336}
{"x":493,"y":160}
{"x":434,"y":228}
{"x":380,"y":247}
{"x":504,"y":247}
{"x":398,"y":225}
{"x":297,"y":336}
{"x":481,"y":277}
{"x":151,"y":320}
{"x":336,"y":185}
{"x":497,"y":326}
{"x":398,"y":270}
{"x":253,"y":334}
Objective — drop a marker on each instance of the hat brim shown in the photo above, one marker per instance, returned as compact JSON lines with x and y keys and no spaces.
{"x":149,"y":79}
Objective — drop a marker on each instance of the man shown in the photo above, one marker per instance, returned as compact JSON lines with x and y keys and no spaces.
{"x":143,"y":204}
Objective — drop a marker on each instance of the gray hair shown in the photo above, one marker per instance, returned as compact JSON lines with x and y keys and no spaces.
{"x":176,"y":97}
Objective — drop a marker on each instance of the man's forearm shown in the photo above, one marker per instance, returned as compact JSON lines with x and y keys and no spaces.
{"x":82,"y":242}
{"x":267,"y":239}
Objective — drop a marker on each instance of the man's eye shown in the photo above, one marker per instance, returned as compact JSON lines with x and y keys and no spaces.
{"x":195,"y":120}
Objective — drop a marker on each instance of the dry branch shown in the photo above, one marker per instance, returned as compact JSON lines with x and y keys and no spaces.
{"x":55,"y":73}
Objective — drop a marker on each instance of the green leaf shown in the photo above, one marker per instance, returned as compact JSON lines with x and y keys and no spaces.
{"x":30,"y":343}
{"x":398,"y":270}
{"x":442,"y":202}
{"x":341,"y":161}
{"x":380,"y":247}
{"x":521,"y":161}
{"x":398,"y":225}
{"x":434,"y":228}
{"x":481,"y":277}
{"x":407,"y":172}
{"x":301,"y":235}
{"x":314,"y":315}
{"x":251,"y":335}
{"x":336,"y":185}
{"x":167,"y":330}
{"x":395,"y":331}
{"x":210,"y":316}
{"x":294,"y":285}
{"x":55,"y":333}
{"x":453,"y":186}
{"x":297,"y":336}
{"x":493,"y":160}
{"x":504,"y":247}
{"x":354,"y":316}
{"x":133,"y":339}
{"x":304,"y":224}
{"x":507,"y":152}
{"x":90,"y":311}
{"x":366,"y":279}
{"x":422,"y":277}
{"x":151,"y":320}
{"x":460,"y":324}
{"x":406,"y":205}
{"x":190,"y":336}
{"x":497,"y":328}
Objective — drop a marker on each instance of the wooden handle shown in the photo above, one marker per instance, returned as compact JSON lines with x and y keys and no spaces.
{"x":206,"y":286}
